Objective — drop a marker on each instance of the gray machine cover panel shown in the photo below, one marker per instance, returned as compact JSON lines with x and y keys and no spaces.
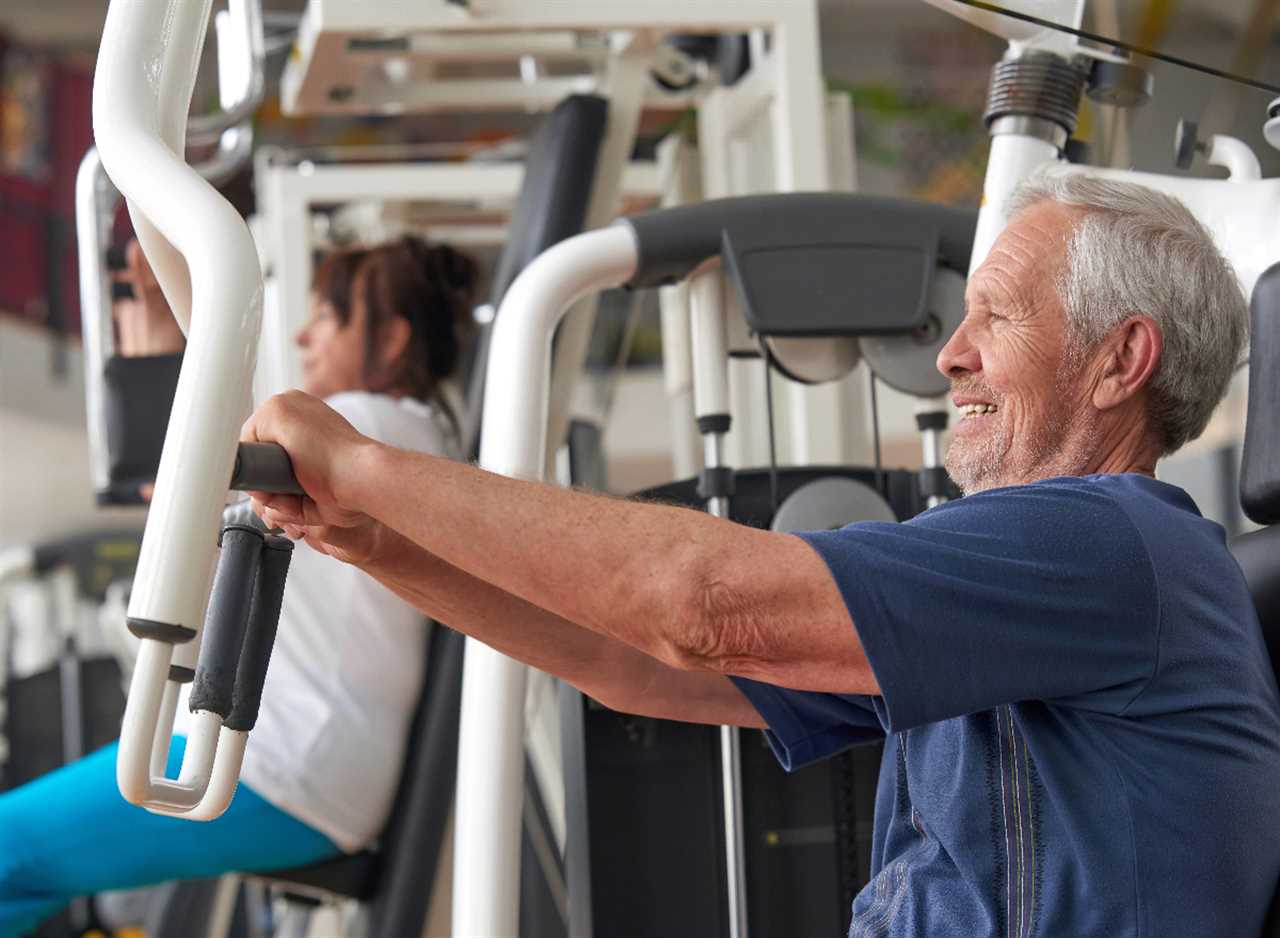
{"x":812,"y":264}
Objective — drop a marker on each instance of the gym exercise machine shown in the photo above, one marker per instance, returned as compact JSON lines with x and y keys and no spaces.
{"x":469,"y":204}
{"x":1035,"y":95}
{"x":206,"y":264}
{"x":793,"y":260}
{"x":241,"y":54}
{"x":1027,"y":146}
{"x":61,"y":694}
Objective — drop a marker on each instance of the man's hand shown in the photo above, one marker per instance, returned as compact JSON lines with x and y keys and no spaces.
{"x":325,"y":451}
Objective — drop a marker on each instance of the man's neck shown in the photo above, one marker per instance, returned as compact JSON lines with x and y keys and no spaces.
{"x":1125,"y":445}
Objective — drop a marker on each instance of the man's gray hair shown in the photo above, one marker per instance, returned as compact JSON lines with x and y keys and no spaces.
{"x":1138,"y":251}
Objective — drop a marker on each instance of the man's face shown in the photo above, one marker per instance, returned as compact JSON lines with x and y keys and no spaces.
{"x":1023,"y":406}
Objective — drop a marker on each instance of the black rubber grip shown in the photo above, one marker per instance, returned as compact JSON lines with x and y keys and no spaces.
{"x":116,"y":258}
{"x":227,"y":619}
{"x":714,"y":423}
{"x":160,"y":631}
{"x":716,"y":482}
{"x":180,"y":674}
{"x":260,"y":637}
{"x":264,"y":467}
{"x":931,"y":420}
{"x":934,"y":481}
{"x":121,"y":291}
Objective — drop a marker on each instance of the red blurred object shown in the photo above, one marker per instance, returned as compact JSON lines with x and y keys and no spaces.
{"x":38,"y":272}
{"x":25,"y":210}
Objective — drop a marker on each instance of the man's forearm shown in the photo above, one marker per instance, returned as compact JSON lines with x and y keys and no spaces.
{"x":695,"y":592}
{"x":595,"y":562}
{"x":613,"y":673}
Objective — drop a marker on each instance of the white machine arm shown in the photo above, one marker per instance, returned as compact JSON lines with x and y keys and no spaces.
{"x":200,"y":249}
{"x":240,"y":64}
{"x":486,"y":885}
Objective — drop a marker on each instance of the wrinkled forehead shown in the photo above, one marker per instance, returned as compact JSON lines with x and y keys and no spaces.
{"x":1024,"y":263}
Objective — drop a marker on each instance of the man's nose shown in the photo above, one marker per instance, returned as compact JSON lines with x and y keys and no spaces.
{"x":959,"y":357}
{"x":300,"y":339}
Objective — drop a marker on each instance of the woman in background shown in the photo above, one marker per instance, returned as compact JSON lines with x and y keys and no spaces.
{"x":386,"y":329}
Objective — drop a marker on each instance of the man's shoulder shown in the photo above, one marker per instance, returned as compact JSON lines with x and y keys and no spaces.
{"x":1088,"y":499}
{"x":1075,"y":501}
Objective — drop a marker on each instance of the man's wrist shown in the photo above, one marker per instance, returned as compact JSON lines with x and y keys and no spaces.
{"x":360,"y":475}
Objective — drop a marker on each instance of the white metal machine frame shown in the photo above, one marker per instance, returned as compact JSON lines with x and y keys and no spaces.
{"x":289,"y":192}
{"x":386,"y":58}
{"x":360,"y":56}
{"x":1240,"y":211}
{"x":240,"y":47}
{"x":206,"y":263}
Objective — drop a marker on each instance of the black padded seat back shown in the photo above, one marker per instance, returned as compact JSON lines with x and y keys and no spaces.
{"x":552,"y":205}
{"x":411,"y":842}
{"x":1260,"y":463}
{"x":1258,"y":554}
{"x":396,"y":875}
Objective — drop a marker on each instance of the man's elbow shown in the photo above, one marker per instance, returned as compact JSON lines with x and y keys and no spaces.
{"x":712,"y":630}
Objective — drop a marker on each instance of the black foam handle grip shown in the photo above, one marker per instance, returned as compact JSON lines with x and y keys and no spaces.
{"x":230,"y":605}
{"x":264,"y":467}
{"x":260,"y":636}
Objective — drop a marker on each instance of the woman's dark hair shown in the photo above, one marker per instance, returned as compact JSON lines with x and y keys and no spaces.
{"x":331,"y":282}
{"x":433,"y":286}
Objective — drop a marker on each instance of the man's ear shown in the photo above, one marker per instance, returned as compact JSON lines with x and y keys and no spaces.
{"x":1132,"y":355}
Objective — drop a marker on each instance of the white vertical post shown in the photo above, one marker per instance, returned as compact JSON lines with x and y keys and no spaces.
{"x":680,"y":185}
{"x":486,"y":882}
{"x":1012,"y":158}
{"x":823,"y":428}
{"x":287,"y":244}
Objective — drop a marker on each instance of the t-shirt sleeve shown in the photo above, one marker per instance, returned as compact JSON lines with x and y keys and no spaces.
{"x":804,"y":727}
{"x":1039,"y":592}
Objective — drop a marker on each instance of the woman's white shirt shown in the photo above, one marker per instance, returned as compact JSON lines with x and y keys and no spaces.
{"x":347,"y":667}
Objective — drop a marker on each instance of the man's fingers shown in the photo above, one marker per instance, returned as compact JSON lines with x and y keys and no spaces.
{"x":289,"y":507}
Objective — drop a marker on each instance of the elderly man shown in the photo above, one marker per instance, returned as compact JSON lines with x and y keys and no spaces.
{"x":1083,"y":731}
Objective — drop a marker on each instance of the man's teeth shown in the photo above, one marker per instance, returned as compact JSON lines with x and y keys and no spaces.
{"x":973,"y":410}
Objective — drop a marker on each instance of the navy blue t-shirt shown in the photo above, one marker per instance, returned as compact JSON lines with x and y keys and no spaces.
{"x":1082,"y":726}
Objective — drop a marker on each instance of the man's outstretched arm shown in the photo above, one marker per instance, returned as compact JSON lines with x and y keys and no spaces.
{"x":617,"y":675}
{"x":695,"y":592}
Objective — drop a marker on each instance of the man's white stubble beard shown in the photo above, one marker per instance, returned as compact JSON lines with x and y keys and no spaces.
{"x":1062,"y":447}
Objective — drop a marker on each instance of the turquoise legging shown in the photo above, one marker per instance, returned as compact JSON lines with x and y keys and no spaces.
{"x":70,"y":834}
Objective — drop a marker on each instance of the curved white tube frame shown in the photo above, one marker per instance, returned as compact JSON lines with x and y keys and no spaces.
{"x":202,"y":252}
{"x":486,"y":878}
{"x":96,"y":203}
